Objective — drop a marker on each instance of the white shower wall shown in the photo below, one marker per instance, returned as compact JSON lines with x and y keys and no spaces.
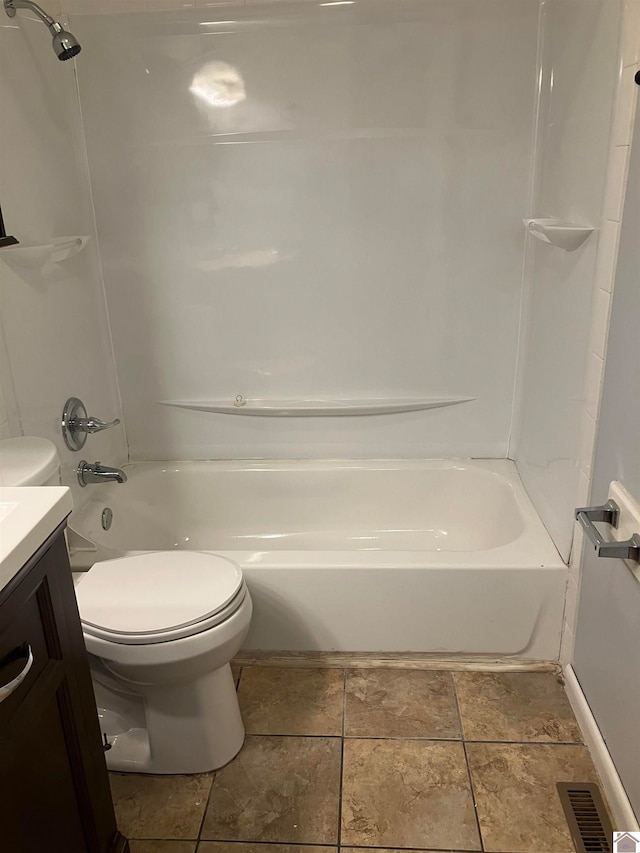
{"x":54,"y":333}
{"x":335,"y":211}
{"x":580,"y":68}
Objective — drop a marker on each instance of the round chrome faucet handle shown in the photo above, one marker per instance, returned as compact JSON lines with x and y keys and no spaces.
{"x":76,"y":424}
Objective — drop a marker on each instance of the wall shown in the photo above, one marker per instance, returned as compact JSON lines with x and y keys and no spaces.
{"x":54,"y":336}
{"x":607,"y":645}
{"x":342,"y":218}
{"x":579,"y":68}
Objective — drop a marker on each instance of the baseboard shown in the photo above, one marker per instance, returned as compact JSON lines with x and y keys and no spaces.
{"x":622,"y":813}
{"x":397,"y":660}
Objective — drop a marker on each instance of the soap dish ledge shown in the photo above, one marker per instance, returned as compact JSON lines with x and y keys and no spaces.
{"x":56,"y":250}
{"x":562,"y":233}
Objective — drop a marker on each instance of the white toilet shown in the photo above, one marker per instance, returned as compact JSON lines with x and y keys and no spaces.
{"x":160,"y":628}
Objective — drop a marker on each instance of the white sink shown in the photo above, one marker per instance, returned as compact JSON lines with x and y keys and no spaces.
{"x":28,"y":514}
{"x":6,"y":507}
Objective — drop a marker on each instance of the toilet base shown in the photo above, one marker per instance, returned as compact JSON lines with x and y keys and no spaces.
{"x":183,"y":728}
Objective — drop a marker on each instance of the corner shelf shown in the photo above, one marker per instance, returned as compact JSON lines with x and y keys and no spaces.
{"x":558,"y":232}
{"x":314,"y":408}
{"x":56,"y":250}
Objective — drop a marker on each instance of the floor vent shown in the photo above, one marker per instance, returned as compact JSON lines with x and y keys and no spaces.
{"x":587,"y":817}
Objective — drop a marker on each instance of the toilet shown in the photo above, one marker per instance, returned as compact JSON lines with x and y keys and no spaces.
{"x":29,"y":461}
{"x":161,"y":629}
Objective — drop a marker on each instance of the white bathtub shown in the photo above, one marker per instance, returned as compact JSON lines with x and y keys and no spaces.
{"x":421,"y":556}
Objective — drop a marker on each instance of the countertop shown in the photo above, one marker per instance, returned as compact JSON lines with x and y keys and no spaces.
{"x":28,"y":514}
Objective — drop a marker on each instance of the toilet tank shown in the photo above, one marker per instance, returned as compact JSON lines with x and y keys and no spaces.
{"x":29,"y":461}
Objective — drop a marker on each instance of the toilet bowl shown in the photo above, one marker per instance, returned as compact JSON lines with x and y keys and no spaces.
{"x":161,"y":629}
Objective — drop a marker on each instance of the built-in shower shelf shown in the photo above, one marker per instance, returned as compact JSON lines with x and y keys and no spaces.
{"x":314,"y":408}
{"x":56,"y":250}
{"x":558,"y":232}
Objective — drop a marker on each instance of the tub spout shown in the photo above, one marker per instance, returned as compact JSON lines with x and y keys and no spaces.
{"x":98,"y":473}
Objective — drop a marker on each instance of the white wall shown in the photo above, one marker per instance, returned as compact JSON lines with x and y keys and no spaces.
{"x":607,"y":646}
{"x":351,"y":228}
{"x":54,"y":338}
{"x":579,"y":64}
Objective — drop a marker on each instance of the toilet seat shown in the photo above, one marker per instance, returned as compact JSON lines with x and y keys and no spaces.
{"x":159,"y":596}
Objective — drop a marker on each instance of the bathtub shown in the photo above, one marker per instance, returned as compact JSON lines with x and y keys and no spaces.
{"x":378,"y":556}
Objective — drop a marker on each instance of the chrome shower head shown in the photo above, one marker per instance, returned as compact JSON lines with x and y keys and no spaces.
{"x":65,"y":44}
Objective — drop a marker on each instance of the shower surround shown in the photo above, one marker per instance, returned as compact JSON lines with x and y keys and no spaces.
{"x":324,"y":202}
{"x":302,"y":201}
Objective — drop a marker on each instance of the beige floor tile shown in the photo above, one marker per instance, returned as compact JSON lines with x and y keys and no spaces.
{"x":407,"y":793}
{"x":515,"y":787}
{"x":159,"y":806}
{"x":284,"y":701}
{"x":400,"y":703}
{"x":279,"y":789}
{"x":239,"y":847}
{"x":236,"y":672}
{"x":515,"y":706}
{"x":390,"y":850}
{"x":163,"y":846}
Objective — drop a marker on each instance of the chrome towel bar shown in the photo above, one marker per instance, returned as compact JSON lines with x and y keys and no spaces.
{"x":608,"y":513}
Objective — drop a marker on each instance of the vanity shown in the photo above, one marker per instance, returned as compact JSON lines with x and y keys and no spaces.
{"x":55,"y":788}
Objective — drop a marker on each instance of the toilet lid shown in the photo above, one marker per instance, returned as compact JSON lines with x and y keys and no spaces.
{"x":27,"y":461}
{"x":156,"y":592}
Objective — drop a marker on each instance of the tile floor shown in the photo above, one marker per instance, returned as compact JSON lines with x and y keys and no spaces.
{"x":392,"y":759}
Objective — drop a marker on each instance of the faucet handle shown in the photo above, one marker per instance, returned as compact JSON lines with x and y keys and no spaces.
{"x":76,"y":424}
{"x":92,"y":424}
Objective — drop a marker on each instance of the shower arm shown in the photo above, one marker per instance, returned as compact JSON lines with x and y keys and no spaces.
{"x":65,"y":45}
{"x":10,"y":7}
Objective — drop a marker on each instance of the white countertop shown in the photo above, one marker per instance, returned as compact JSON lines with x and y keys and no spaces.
{"x":28,"y":514}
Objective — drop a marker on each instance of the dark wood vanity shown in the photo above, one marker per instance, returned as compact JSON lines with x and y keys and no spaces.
{"x":55,"y":795}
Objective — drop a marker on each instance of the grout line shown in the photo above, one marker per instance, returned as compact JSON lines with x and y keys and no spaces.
{"x":422,"y":739}
{"x":529,"y":742}
{"x":314,"y":844}
{"x":466,"y":761}
{"x":205,"y":810}
{"x":344,"y":714}
{"x":416,"y":849}
{"x":332,"y":736}
{"x":344,"y":701}
{"x":264,"y":843}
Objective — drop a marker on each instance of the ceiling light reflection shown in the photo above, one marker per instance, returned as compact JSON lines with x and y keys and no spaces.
{"x":218,"y":84}
{"x":237,"y":260}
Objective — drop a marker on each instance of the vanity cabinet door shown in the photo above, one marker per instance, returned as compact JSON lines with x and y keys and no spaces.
{"x":39,"y":797}
{"x":55,"y":790}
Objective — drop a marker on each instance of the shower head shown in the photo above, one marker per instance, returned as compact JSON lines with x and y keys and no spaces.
{"x":65,"y":44}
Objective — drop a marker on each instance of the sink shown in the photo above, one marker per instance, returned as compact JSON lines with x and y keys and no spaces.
{"x":28,"y":515}
{"x":6,"y":508}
